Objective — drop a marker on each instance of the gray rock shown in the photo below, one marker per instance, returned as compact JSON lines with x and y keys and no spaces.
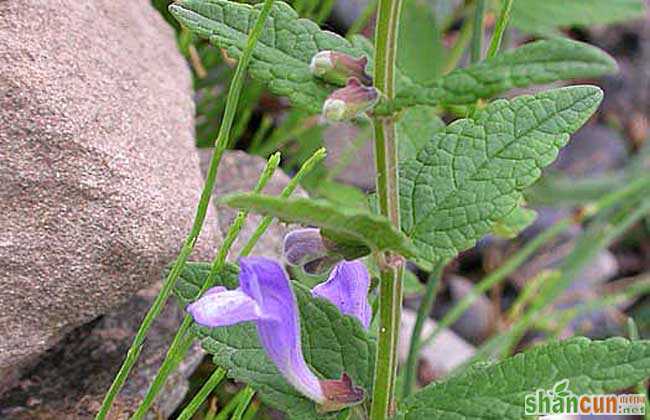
{"x":479,"y":320}
{"x":343,"y":142}
{"x":70,"y":381}
{"x":239,"y":172}
{"x":99,"y":179}
{"x":593,"y":150}
{"x":446,"y":352}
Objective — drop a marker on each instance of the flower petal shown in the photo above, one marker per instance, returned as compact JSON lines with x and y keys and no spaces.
{"x":305,"y":248}
{"x":220,"y":307}
{"x":347,"y":288}
{"x":279,"y":331}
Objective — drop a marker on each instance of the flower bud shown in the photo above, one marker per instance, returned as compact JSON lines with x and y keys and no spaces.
{"x":306,"y":248}
{"x":336,"y":67}
{"x":350,"y":101}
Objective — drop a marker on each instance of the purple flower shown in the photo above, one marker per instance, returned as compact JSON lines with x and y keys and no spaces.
{"x":347,"y":288}
{"x":265,"y":297}
{"x":306,"y":248}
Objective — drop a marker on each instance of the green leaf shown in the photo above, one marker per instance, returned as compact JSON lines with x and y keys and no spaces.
{"x":331,"y":343}
{"x":420,"y":53}
{"x":472,"y":174}
{"x":415,"y":127}
{"x":514,"y":222}
{"x":533,"y":64}
{"x":337,"y":222}
{"x":543,"y":17}
{"x":282,"y":54}
{"x":498,"y":391}
{"x":191,"y":279}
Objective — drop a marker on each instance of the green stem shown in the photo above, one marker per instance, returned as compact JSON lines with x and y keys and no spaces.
{"x":324,"y":11}
{"x":477,"y":34}
{"x":224,"y":413}
{"x":500,"y":28}
{"x":202,"y":208}
{"x":391,"y":268}
{"x":183,"y":338}
{"x":497,"y":276}
{"x":423,"y":314}
{"x":363,"y":18}
{"x":180,"y":345}
{"x":247,"y":396}
{"x":291,"y":186}
{"x":213,"y":381}
{"x":456,"y":52}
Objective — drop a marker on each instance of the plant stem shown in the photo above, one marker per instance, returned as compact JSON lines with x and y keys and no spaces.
{"x":477,"y":34}
{"x":391,"y":269}
{"x":500,"y":28}
{"x":213,"y":381}
{"x":363,"y":19}
{"x":291,"y":186}
{"x":456,"y":52}
{"x":183,"y":340}
{"x":497,"y":276}
{"x":247,"y":396}
{"x":423,"y":313}
{"x":324,"y":11}
{"x":202,"y":208}
{"x":201,"y":211}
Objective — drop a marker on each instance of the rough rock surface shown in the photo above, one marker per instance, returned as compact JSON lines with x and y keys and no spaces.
{"x":344,"y":141}
{"x":438,"y":358}
{"x":70,"y":381}
{"x":239,"y":172}
{"x":98,"y":175}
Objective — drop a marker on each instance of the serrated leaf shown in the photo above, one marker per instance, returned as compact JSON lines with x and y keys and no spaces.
{"x":472,"y":174}
{"x":331,"y":343}
{"x":514,"y":222}
{"x":543,"y":17}
{"x":282,"y":55}
{"x":532,"y":64}
{"x":498,"y":391}
{"x":415,"y":127}
{"x":283,"y":52}
{"x":365,"y":228}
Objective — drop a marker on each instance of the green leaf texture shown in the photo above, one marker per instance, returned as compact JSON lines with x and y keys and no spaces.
{"x":543,"y":17}
{"x":281,"y":56}
{"x":472,"y":174}
{"x":191,"y":280}
{"x":350,"y":224}
{"x":331,"y":343}
{"x":497,"y":391}
{"x":533,"y":64}
{"x":415,"y":128}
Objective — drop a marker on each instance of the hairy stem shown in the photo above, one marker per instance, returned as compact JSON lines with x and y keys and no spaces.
{"x":202,"y":209}
{"x":390,"y":293}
